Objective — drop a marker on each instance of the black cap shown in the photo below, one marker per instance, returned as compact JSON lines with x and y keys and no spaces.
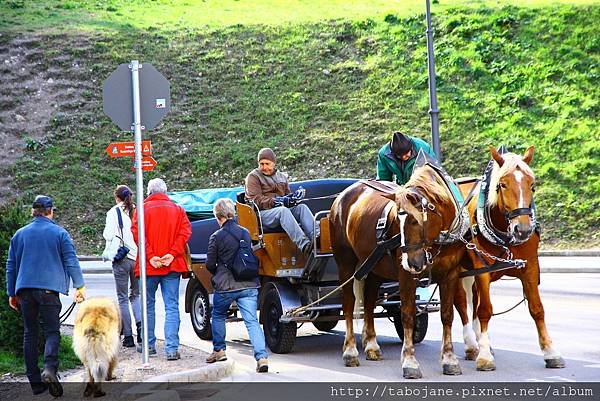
{"x":400,"y":144}
{"x":42,"y":202}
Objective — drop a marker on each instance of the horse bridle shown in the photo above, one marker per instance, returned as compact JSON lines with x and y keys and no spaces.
{"x":521,"y":211}
{"x":424,"y":245}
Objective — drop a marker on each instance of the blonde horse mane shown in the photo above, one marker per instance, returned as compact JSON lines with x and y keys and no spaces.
{"x":430,"y":185}
{"x":511,"y":163}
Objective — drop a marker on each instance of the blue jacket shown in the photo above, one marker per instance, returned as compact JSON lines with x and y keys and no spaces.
{"x":42,"y":255}
{"x":222,"y":248}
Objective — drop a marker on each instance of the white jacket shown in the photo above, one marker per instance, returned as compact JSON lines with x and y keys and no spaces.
{"x":112,"y":232}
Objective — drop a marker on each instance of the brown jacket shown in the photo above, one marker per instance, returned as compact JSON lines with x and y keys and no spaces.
{"x":262,"y":188}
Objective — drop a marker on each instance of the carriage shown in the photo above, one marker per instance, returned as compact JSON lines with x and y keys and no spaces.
{"x":289,"y":280}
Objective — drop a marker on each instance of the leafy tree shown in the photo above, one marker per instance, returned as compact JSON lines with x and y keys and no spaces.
{"x":12,"y":217}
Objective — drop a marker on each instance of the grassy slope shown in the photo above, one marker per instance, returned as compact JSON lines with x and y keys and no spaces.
{"x":326,"y":95}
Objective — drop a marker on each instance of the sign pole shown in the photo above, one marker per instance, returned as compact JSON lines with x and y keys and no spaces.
{"x":433,"y":106}
{"x":136,"y":107}
{"x":139,"y":181}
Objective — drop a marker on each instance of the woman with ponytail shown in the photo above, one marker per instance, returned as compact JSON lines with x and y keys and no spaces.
{"x":117,"y":233}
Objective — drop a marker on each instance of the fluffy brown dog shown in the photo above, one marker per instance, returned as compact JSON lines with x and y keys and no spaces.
{"x":96,"y":341}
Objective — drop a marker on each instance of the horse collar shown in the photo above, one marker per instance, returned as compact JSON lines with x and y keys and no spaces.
{"x":459,"y":226}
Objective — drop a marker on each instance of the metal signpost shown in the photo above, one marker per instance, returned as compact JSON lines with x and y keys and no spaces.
{"x":136,"y":97}
{"x":433,"y":106}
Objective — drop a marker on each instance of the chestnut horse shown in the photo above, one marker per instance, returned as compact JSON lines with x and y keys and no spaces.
{"x":504,"y":213}
{"x":421,"y":210}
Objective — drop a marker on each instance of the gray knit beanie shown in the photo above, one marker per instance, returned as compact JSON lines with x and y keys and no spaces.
{"x":266,"y":153}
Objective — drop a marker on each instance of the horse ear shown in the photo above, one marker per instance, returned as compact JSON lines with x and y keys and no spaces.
{"x":496,"y":156}
{"x":528,"y":156}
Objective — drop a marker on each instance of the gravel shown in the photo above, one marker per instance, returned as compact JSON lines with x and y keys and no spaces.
{"x":129,"y":368}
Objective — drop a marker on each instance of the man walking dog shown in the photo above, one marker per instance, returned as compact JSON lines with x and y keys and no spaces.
{"x":41,"y":262}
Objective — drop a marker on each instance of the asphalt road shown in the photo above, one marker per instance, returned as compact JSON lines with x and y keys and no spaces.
{"x":572,"y":304}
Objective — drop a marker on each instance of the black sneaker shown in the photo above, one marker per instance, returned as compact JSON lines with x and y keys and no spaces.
{"x":151,"y":350}
{"x":39,"y":388}
{"x":128,"y":342}
{"x":51,"y":379}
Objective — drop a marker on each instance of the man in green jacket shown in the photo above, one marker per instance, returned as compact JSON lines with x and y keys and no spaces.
{"x":397,"y":158}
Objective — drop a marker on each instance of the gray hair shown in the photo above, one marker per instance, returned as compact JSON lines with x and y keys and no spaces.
{"x":224,"y":208}
{"x":157,"y":185}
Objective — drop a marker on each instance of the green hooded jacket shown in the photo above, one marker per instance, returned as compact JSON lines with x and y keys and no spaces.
{"x":388,"y":166}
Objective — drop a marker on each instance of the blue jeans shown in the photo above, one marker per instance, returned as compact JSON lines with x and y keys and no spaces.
{"x":40,"y":306}
{"x":169,"y":288}
{"x":247,"y":301}
{"x":298,"y":222}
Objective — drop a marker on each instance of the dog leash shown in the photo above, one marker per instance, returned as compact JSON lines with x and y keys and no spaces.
{"x":67,"y":313}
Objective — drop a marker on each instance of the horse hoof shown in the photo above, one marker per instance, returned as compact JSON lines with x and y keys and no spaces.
{"x":555,"y":363}
{"x":89,"y":390}
{"x":471,"y":354}
{"x":485,"y":365}
{"x":373,"y":355}
{"x":351,"y":361}
{"x":451,"y":370}
{"x":412,"y":373}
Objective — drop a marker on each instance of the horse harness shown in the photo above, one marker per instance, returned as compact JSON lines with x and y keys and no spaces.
{"x":499,"y":238}
{"x":484,"y":221}
{"x":386,"y":244}
{"x":459,"y":230}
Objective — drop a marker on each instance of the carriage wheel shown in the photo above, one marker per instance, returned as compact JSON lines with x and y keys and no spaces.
{"x":325,"y":325}
{"x":280,"y":337}
{"x":200,"y":313}
{"x":420,"y":329}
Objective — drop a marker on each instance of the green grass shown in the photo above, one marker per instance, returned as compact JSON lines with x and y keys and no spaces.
{"x":195,"y":14}
{"x":326,"y":95}
{"x":9,"y":363}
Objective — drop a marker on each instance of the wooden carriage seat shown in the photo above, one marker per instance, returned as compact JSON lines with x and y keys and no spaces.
{"x":278,"y":247}
{"x":247,"y":217}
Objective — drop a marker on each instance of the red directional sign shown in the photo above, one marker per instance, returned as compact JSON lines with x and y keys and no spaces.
{"x":120,"y":149}
{"x":148,"y":163}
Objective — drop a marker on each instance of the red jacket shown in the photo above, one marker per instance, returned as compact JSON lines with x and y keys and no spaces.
{"x":167,"y":231}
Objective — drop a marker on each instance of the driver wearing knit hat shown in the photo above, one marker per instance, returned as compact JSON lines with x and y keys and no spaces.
{"x":270,"y":191}
{"x":396,"y":159}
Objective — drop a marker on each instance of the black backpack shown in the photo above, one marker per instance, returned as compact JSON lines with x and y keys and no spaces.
{"x":244,"y":265}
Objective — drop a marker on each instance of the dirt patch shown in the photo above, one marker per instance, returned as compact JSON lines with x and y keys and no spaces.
{"x":32,"y":90}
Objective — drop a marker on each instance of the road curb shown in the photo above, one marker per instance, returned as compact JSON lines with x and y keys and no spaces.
{"x":570,"y":270}
{"x":212,"y":372}
{"x":570,"y":252}
{"x":96,"y":270}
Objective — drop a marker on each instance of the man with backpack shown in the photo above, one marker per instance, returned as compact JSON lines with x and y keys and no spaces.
{"x":235,"y":278}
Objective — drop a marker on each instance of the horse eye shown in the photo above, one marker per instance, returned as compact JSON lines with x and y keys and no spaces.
{"x":533,"y":188}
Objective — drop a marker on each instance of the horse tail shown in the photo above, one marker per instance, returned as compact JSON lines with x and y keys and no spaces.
{"x":358,"y":287}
